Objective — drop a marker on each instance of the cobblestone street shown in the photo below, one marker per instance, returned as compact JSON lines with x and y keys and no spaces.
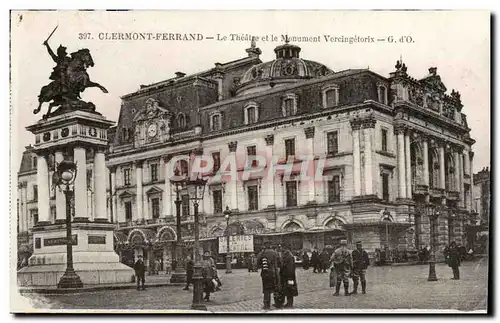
{"x":396,"y":287}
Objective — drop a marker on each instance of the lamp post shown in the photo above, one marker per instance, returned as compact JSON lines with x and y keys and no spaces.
{"x":65,"y":176}
{"x":387,"y":219}
{"x":179,"y":275}
{"x":432,"y":214}
{"x":227,"y":214}
{"x":196,"y":189}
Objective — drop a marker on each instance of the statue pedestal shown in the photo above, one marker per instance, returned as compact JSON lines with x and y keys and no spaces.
{"x":94,"y":258}
{"x":73,"y":136}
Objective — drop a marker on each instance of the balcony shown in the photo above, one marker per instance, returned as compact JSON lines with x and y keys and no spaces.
{"x":453,"y":195}
{"x":419,"y":189}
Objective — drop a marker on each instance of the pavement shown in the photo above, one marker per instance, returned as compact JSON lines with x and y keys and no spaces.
{"x":389,"y":288}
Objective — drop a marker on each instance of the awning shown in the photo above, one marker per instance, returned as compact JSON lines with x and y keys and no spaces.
{"x":378,"y":224}
{"x":147,"y":235}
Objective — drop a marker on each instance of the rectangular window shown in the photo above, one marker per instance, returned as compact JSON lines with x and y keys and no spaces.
{"x":154,"y":172}
{"x":185,"y":205}
{"x":126,"y":176}
{"x":332,"y":139}
{"x":35,"y":192}
{"x":216,"y":158}
{"x":252,"y":152}
{"x":89,"y":179}
{"x":289,"y":147}
{"x":34,"y":215}
{"x":291,"y":193}
{"x":251,"y":115}
{"x":385,"y":187}
{"x":384,"y":139}
{"x":382,"y":94}
{"x":155,"y":207}
{"x":217,"y":197}
{"x":253,"y":198}
{"x":289,"y":107}
{"x":334,"y":189}
{"x":128,"y":211}
{"x":216,"y":122}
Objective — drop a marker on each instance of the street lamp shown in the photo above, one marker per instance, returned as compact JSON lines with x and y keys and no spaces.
{"x":227,"y":214}
{"x":387,"y":219}
{"x":432,"y":213}
{"x":179,"y":274}
{"x":196,"y":189}
{"x":65,"y":176}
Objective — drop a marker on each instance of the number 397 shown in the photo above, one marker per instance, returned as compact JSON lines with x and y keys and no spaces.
{"x":84,"y":36}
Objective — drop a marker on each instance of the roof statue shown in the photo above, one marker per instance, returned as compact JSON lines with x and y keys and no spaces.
{"x":69,"y":78}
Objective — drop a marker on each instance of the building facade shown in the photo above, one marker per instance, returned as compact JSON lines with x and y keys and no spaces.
{"x":387,"y":146}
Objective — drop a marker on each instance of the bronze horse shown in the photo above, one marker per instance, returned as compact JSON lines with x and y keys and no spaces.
{"x":64,"y":91}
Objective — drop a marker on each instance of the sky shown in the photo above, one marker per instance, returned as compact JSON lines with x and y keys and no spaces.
{"x":457,"y":43}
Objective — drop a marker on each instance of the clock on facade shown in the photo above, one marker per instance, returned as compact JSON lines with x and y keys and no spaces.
{"x":152,"y":130}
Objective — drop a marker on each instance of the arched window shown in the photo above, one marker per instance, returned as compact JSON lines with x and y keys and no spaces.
{"x":450,"y":170}
{"x":216,"y":121}
{"x":330,"y":96}
{"x":289,"y":105}
{"x":251,"y":113}
{"x":291,"y":227}
{"x":181,"y":121}
{"x":433,"y":168}
{"x":382,"y":93}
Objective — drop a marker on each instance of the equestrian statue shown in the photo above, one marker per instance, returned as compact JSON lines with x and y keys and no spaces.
{"x":69,"y":78}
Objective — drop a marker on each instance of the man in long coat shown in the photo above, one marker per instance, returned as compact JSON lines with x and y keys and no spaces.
{"x":454,"y":260}
{"x":140,"y":271}
{"x":342,"y":261}
{"x":268,"y":263}
{"x":360,"y":262}
{"x":287,"y":276}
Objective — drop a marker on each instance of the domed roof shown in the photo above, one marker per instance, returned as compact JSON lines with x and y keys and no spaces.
{"x":288,"y":67}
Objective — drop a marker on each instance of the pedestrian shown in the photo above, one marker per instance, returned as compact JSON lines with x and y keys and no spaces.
{"x":287,"y":276}
{"x":342,"y":260}
{"x":315,"y":261}
{"x":189,"y":272}
{"x":454,"y":260}
{"x":446,"y":254}
{"x":360,"y":262}
{"x":278,"y":296}
{"x":157,"y":266}
{"x":305,"y":261}
{"x":268,"y":263}
{"x":140,"y":271}
{"x":207,"y":274}
{"x":324,"y":260}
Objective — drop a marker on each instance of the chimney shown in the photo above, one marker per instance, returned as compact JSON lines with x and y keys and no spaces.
{"x":178,"y":75}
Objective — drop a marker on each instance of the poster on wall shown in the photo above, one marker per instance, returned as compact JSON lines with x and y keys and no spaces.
{"x":239,"y":243}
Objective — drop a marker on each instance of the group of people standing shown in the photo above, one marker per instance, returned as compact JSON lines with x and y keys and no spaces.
{"x":278,"y":276}
{"x":319,"y":261}
{"x":347,"y":264}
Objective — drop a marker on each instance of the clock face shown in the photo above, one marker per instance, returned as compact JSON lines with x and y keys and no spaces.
{"x":152,"y":130}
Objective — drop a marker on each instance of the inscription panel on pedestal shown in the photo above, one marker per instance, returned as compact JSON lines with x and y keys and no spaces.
{"x":60,"y":241}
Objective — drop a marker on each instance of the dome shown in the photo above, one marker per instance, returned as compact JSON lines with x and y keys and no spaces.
{"x":287,"y":68}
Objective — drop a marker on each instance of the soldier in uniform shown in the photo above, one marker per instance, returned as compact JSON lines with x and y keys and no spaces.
{"x":360,"y":262}
{"x":342,"y":261}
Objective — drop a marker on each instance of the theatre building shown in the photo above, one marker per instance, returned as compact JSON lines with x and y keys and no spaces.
{"x":390,"y":145}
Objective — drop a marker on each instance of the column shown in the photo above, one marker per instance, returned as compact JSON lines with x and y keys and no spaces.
{"x":442,"y":178}
{"x":356,"y":156}
{"x":408,"y":165}
{"x":167,"y":192}
{"x":426,"y":161}
{"x":457,"y":171}
{"x":25,"y":215}
{"x":309,"y":132}
{"x":401,"y":162}
{"x":100,"y":180}
{"x":231,"y":184}
{"x":20,"y":209}
{"x":80,"y":184}
{"x":467,"y":164}
{"x":369,"y":126}
{"x":43,"y":190}
{"x":112,"y":189}
{"x":60,"y":199}
{"x":461,"y":178}
{"x":269,"y":177}
{"x":138,"y":193}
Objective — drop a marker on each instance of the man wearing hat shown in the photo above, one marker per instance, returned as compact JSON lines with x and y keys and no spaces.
{"x":268,"y":262}
{"x":342,"y":261}
{"x":208,"y":275}
{"x":140,"y":270}
{"x":360,"y":262}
